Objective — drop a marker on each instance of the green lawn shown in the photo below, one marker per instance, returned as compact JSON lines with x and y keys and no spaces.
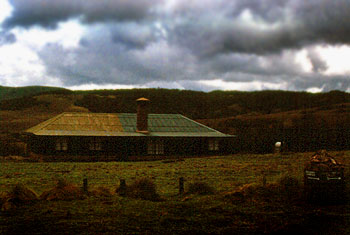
{"x":177,"y":214}
{"x":221,"y":172}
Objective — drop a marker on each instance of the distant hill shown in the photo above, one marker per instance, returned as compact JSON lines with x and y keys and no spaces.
{"x":216,"y":104}
{"x":326,"y":127}
{"x":194,"y":104}
{"x":7,"y":93}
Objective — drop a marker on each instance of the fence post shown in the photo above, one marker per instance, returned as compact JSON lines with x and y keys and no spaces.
{"x":263,"y":178}
{"x":181,"y":185}
{"x":122,"y":187}
{"x":85,"y":185}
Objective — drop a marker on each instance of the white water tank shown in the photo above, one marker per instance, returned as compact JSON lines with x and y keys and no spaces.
{"x":278,"y":147}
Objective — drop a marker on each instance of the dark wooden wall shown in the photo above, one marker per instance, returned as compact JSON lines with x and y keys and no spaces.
{"x":129,"y":146}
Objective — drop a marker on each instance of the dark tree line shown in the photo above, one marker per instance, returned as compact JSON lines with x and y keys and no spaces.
{"x":216,"y":104}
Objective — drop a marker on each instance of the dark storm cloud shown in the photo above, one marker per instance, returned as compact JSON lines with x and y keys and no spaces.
{"x":101,"y":59}
{"x":206,"y":27}
{"x":133,"y":35}
{"x":146,"y":41}
{"x":262,"y":27}
{"x":325,"y":20}
{"x":7,"y":38}
{"x":230,"y":67}
{"x":46,"y":13}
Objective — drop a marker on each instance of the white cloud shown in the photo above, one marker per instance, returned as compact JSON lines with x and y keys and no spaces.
{"x":19,"y":65}
{"x":302,"y":59}
{"x":314,"y":89}
{"x":92,"y":86}
{"x":218,"y":84}
{"x":337,"y":58}
{"x":5,"y":10}
{"x":67,"y":34}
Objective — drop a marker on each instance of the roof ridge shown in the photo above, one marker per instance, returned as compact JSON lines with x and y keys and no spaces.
{"x":201,"y":124}
{"x":43,"y":124}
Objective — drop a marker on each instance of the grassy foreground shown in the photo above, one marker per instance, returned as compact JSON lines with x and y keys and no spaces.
{"x":240,"y":204}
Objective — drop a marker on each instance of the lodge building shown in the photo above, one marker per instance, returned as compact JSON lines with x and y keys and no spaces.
{"x":126,"y":134}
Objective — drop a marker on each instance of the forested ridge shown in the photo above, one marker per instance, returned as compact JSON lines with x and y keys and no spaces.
{"x":216,"y":104}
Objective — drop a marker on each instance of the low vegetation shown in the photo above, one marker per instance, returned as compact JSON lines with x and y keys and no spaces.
{"x":241,"y":194}
{"x":143,"y":188}
{"x":200,"y":188}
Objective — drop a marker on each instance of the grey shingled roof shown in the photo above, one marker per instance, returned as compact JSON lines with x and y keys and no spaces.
{"x":121,"y":124}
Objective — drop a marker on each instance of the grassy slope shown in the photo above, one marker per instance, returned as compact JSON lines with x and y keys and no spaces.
{"x":215,"y":214}
{"x":17,"y":92}
{"x":48,"y":105}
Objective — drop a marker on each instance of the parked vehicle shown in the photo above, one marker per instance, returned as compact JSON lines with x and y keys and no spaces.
{"x":324,"y":179}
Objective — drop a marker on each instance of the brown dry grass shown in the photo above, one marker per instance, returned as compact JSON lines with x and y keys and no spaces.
{"x":286,"y":190}
{"x":101,"y":191}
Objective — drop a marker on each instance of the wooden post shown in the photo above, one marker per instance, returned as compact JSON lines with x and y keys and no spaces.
{"x":85,"y":185}
{"x":122,"y":187}
{"x":181,"y":185}
{"x":263,"y":178}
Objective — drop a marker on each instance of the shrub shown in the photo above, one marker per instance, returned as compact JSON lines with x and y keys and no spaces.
{"x":63,"y":191}
{"x":3,"y":198}
{"x":200,"y":188}
{"x":13,"y":148}
{"x":289,"y":187}
{"x":143,"y":188}
{"x":20,"y":193}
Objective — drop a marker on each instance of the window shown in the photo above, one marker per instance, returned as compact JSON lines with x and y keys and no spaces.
{"x":61,"y":144}
{"x":213,"y":145}
{"x":155,"y":147}
{"x":95,"y":144}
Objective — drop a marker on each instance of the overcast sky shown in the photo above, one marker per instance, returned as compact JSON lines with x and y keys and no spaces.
{"x":185,"y":44}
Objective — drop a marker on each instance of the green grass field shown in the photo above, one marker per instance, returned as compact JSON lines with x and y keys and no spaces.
{"x":224,"y":173}
{"x":218,"y":213}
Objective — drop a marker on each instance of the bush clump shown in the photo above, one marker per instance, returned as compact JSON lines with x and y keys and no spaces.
{"x":19,"y":195}
{"x":63,"y":191}
{"x":289,"y":187}
{"x":143,"y":188}
{"x":200,"y":188}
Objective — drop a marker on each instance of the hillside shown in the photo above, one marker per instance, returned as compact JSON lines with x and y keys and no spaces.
{"x":194,"y":104}
{"x":303,"y":121}
{"x":326,"y":127}
{"x":18,"y":92}
{"x":216,"y":104}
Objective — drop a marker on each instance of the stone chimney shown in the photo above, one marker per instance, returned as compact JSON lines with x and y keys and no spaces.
{"x":142,"y":115}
